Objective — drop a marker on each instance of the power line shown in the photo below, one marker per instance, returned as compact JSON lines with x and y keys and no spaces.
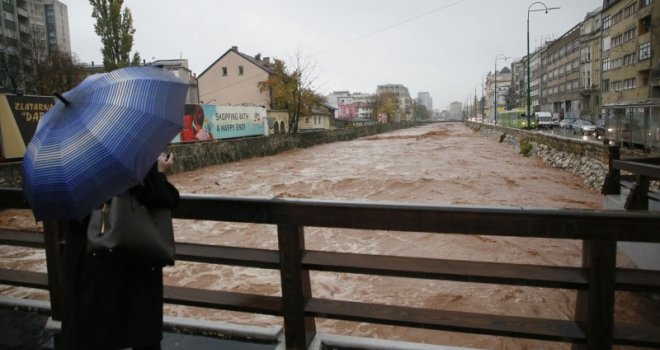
{"x":392,"y":26}
{"x":410,"y":19}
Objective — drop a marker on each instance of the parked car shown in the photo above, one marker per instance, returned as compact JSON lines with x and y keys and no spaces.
{"x":566,"y":123}
{"x":584,"y":127}
{"x":600,"y":128}
{"x":555,"y":122}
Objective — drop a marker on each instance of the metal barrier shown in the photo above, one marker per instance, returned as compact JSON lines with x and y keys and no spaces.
{"x":596,"y":281}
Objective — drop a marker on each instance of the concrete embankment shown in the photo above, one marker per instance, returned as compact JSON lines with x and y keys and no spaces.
{"x":586,"y":159}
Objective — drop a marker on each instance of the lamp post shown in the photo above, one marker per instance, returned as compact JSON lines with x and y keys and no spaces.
{"x":529,"y":98}
{"x":498,"y":57}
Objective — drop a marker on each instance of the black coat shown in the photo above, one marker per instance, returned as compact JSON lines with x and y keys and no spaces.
{"x":109,"y":303}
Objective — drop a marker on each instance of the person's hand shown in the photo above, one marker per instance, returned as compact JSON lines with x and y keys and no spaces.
{"x":165,"y":161}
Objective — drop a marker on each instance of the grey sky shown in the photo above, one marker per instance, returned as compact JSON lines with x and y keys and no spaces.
{"x":444,"y":47}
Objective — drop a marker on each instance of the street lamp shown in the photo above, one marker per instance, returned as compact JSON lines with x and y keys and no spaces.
{"x":498,"y":57}
{"x":529,"y":98}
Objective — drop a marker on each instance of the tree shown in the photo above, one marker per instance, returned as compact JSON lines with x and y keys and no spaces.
{"x":387,"y":103}
{"x":59,"y":71}
{"x":421,"y":111}
{"x":116,"y":31}
{"x":291,"y":89}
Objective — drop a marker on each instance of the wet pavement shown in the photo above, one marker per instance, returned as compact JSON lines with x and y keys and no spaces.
{"x":25,"y":330}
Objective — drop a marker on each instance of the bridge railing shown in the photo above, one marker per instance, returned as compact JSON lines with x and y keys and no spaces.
{"x":596,"y":281}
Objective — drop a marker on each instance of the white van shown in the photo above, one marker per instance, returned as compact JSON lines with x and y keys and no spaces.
{"x":543,"y":120}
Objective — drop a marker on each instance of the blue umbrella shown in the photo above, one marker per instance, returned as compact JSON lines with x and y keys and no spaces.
{"x":100,"y":139}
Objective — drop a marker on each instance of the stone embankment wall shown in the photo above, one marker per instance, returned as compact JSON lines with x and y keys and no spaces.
{"x":195,"y":155}
{"x":586,"y":159}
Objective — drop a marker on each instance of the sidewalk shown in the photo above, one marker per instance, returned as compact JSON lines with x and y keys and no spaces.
{"x":26,"y":330}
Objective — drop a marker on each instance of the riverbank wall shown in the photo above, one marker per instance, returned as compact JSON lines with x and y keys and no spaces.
{"x":586,"y":159}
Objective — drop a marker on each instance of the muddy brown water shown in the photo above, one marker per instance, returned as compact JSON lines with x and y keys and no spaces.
{"x":432,"y":164}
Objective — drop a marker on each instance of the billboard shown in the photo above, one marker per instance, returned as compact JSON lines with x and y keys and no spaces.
{"x":19,"y":116}
{"x":212,"y":122}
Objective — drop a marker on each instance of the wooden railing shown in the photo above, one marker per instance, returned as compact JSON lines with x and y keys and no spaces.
{"x":596,"y":282}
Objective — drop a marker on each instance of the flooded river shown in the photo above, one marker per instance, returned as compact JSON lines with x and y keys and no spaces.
{"x":432,"y":164}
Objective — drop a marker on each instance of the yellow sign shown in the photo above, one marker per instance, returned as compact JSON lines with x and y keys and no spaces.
{"x":19,"y":116}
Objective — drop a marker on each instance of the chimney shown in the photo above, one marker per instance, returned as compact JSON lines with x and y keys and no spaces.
{"x":234,"y":48}
{"x":257,"y":56}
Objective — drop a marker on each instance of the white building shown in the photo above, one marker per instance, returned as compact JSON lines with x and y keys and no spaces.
{"x":424,"y":98}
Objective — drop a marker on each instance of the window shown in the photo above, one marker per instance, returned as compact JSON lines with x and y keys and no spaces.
{"x":630,"y":10}
{"x":586,"y":54}
{"x":606,"y":22}
{"x":629,"y":34}
{"x":616,"y":63}
{"x":606,"y":43}
{"x":628,"y":59}
{"x":644,"y":51}
{"x":644,"y":25}
{"x":606,"y":85}
{"x":617,"y":40}
{"x":643,"y":3}
{"x":617,"y":17}
{"x":615,"y":85}
{"x":224,"y":71}
{"x":240,"y":70}
{"x":606,"y":64}
{"x":629,"y":84}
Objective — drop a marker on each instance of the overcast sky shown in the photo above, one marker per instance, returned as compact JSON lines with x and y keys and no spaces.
{"x":445,"y":47}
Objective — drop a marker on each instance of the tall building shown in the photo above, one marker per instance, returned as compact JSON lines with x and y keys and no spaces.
{"x":630,"y":48}
{"x":57,"y":26}
{"x":561,"y":79}
{"x":497,"y":88}
{"x":455,"y":110}
{"x":27,"y":29}
{"x":590,"y":40}
{"x":425,"y":99}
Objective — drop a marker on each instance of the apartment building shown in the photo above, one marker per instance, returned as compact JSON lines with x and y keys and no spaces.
{"x":561,"y":75}
{"x":405,"y":101}
{"x":503,"y":81}
{"x":57,"y":26}
{"x":628,"y":45}
{"x":424,"y":98}
{"x":590,"y":71}
{"x":26,"y":29}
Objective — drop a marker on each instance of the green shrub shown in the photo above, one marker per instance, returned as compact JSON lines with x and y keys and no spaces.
{"x":525,"y":148}
{"x":502,"y":137}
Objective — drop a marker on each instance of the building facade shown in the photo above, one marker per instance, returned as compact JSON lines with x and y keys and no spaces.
{"x":233,"y":79}
{"x":503,"y":82}
{"x":27,"y":28}
{"x":57,"y":26}
{"x":629,"y":51}
{"x":561,"y":77}
{"x":590,"y":77}
{"x":424,"y":98}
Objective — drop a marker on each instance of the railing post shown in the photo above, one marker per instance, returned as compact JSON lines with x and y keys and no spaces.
{"x":611,"y":184}
{"x":299,"y":331}
{"x":594,"y":308}
{"x":54,"y":233}
{"x":637,"y":199}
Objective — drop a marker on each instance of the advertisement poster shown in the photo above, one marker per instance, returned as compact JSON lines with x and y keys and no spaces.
{"x":19,"y":116}
{"x":212,"y":122}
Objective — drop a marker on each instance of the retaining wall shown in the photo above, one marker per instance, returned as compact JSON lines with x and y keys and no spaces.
{"x":586,"y":159}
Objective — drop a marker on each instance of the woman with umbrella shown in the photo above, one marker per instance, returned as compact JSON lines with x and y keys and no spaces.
{"x":85,"y":151}
{"x":111,"y":303}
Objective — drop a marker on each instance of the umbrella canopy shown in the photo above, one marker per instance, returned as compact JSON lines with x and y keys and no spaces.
{"x":101,"y":139}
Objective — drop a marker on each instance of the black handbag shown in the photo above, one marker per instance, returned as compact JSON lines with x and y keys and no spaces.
{"x":132,"y":232}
